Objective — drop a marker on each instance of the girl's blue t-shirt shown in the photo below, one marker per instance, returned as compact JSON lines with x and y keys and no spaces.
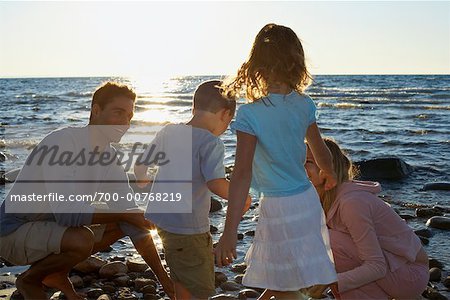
{"x":279,"y":123}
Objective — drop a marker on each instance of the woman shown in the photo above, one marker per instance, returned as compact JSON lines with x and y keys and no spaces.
{"x":377,"y":255}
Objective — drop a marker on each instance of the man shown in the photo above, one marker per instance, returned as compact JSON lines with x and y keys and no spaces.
{"x":69,"y":165}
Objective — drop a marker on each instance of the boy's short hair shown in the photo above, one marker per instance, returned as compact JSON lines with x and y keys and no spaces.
{"x":208,"y":97}
{"x":108,"y":91}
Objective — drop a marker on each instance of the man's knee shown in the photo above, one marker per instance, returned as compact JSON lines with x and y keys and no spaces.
{"x":79,"y":240}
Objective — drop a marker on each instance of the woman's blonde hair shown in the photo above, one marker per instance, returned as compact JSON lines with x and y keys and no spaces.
{"x":343,"y":168}
{"x":276,"y":57}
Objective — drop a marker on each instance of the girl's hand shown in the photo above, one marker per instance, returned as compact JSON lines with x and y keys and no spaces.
{"x":329,"y":179}
{"x":225,"y":249}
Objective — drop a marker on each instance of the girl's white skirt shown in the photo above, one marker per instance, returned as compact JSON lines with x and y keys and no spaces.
{"x":291,"y":248}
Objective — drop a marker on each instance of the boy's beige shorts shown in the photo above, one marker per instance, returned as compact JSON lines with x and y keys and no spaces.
{"x":191,"y":261}
{"x":34,"y":241}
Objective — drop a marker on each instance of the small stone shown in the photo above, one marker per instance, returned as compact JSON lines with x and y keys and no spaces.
{"x":424,"y":240}
{"x":434,"y":263}
{"x":238,"y":278}
{"x":220,"y":278}
{"x":141,"y":282}
{"x":250,"y":233}
{"x":109,"y":289}
{"x":94,"y":293}
{"x":435,"y":274}
{"x":122,"y":280}
{"x":88,"y":279}
{"x":216,"y":205}
{"x":213,"y":229}
{"x":149,"y":274}
{"x":427,"y":212}
{"x":406,"y":216}
{"x":104,"y":297}
{"x":230,"y":286}
{"x":424,"y":232}
{"x":439,"y":222}
{"x":248,"y":293}
{"x":90,"y":265}
{"x":240,"y":236}
{"x":223,"y":297}
{"x":77,"y":281}
{"x":446,"y":282}
{"x":135,"y":265}
{"x":239,"y":268}
{"x":117,"y":258}
{"x":436,"y":296}
{"x":111,"y":269}
{"x":148,"y":289}
{"x":150,"y":297}
{"x":3,"y":157}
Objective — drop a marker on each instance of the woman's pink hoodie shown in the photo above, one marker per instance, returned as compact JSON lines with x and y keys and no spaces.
{"x":383,"y":240}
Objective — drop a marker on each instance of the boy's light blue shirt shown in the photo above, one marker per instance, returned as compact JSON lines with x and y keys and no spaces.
{"x":208,"y":153}
{"x":279,"y":122}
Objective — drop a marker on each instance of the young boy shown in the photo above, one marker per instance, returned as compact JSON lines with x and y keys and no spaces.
{"x":185,"y":236}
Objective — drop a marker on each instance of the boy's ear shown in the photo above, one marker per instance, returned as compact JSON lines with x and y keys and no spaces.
{"x":225,"y":113}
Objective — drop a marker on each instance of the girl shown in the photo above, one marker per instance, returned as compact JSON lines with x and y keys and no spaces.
{"x":291,"y":249}
{"x":377,"y":255}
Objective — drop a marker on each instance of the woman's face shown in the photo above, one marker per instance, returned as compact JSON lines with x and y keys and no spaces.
{"x":312,"y":169}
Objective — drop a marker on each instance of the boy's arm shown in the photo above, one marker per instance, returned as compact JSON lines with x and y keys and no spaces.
{"x":221,"y":187}
{"x":322,"y":155}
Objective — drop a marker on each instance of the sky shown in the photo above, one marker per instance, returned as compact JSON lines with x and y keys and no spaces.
{"x":53,"y":39}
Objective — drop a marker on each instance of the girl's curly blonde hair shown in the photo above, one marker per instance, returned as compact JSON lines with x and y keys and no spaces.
{"x":276,"y":57}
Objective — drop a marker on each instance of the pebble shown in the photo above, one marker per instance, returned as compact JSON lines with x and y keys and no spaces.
{"x":77,"y":281}
{"x":111,"y":269}
{"x":220,"y":278}
{"x":90,"y":265}
{"x":446,"y":282}
{"x":230,"y":286}
{"x":135,"y":265}
{"x":428,"y":212}
{"x":240,"y":236}
{"x":94,"y":293}
{"x":216,"y":205}
{"x":248,"y":293}
{"x":122,"y":280}
{"x":439,"y":222}
{"x":213,"y":229}
{"x":250,"y":233}
{"x":239,"y":268}
{"x":424,"y":232}
{"x":435,"y":274}
{"x":141,"y":282}
{"x":148,"y":289}
{"x":434,"y":263}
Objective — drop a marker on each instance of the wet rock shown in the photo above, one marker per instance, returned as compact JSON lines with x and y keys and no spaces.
{"x":435,"y":274}
{"x":149,"y":274}
{"x":220,"y":278}
{"x":439,"y":222}
{"x":428,"y":212}
{"x":94,"y":293}
{"x":126,"y":295}
{"x":148,"y":289}
{"x":11,"y":176}
{"x":77,"y":281}
{"x":229,"y":169}
{"x":238,"y":278}
{"x":135,"y":265}
{"x":111,"y":269}
{"x":406,"y":216}
{"x":118,"y":258}
{"x":216,"y":205}
{"x":446,"y":282}
{"x":388,"y":168}
{"x":122,"y":280}
{"x":435,"y":295}
{"x":248,"y":293}
{"x":109,"y":289}
{"x":250,"y":233}
{"x":141,"y":282}
{"x":230,"y":286}
{"x":424,"y":232}
{"x":3,"y":156}
{"x":239,"y":268}
{"x":107,"y":249}
{"x":444,"y":186}
{"x":434,"y":263}
{"x":223,"y":297}
{"x":104,"y":297}
{"x":150,"y":297}
{"x":240,"y":236}
{"x":424,"y":240}
{"x":213,"y":229}
{"x":88,"y":279}
{"x":16,"y":295}
{"x":90,"y":265}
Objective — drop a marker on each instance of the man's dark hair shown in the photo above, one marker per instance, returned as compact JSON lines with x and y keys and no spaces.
{"x":108,"y":91}
{"x":208,"y":97}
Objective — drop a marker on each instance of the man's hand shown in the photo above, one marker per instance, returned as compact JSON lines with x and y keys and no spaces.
{"x":136,"y":217}
{"x":225,"y":250}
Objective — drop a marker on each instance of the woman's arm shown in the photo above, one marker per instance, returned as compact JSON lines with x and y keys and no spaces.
{"x":239,"y":187}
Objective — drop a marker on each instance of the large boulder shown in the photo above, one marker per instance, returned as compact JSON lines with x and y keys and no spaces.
{"x":385,"y":168}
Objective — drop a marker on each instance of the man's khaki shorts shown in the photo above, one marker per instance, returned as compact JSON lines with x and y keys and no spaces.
{"x":34,"y":241}
{"x":191,"y":261}
{"x":31,"y":242}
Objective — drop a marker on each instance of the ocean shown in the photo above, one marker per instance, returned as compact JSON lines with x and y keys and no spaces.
{"x":370,"y":116}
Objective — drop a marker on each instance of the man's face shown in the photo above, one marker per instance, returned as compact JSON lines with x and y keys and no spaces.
{"x":117,"y":114}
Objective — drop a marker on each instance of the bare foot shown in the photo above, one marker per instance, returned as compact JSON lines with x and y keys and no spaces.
{"x":30,"y":289}
{"x":62,"y":283}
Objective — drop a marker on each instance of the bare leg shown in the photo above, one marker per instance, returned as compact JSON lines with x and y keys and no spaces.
{"x":76,"y":245}
{"x":61,"y":282}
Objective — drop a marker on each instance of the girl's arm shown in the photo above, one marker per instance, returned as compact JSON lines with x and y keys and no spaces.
{"x":225,"y":250}
{"x":322,"y":155}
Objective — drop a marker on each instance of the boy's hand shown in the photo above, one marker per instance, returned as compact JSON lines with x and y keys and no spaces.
{"x":247,"y":205}
{"x":329,"y":179}
{"x":225,"y":249}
